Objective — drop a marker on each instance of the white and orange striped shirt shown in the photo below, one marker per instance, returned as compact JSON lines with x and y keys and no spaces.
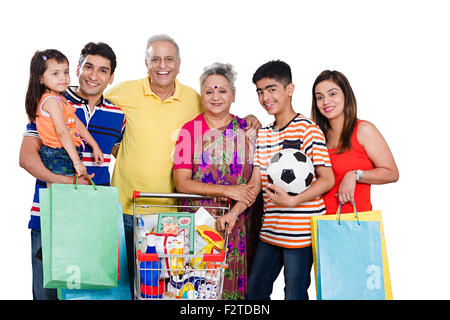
{"x":290,"y":227}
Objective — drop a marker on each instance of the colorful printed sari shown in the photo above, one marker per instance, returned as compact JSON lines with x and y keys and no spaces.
{"x":226,"y":159}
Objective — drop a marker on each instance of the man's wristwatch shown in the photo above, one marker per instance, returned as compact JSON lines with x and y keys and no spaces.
{"x":359,"y":174}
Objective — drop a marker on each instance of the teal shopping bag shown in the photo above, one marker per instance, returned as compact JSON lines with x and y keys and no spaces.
{"x":46,"y":233}
{"x":79,"y":230}
{"x":121,"y":292}
{"x":350,"y":257}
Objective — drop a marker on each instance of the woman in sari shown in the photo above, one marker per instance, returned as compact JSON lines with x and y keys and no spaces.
{"x":213,"y":157}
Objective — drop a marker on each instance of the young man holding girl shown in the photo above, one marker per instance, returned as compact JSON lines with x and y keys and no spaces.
{"x":104,"y":121}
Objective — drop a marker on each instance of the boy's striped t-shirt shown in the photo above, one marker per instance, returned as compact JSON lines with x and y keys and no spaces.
{"x":290,"y":227}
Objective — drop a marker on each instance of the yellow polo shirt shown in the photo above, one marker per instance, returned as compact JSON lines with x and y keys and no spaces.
{"x":145,"y":158}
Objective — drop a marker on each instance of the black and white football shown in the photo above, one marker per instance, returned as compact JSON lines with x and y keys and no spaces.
{"x":291,"y":170}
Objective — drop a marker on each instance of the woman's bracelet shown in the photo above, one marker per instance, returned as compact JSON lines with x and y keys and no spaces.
{"x":236,"y":215}
{"x":76,"y":163}
{"x":206,"y":188}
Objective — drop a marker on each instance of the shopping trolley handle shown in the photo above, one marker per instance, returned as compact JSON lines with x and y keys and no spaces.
{"x":206,"y":257}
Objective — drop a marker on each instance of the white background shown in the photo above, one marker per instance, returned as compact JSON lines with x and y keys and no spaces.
{"x":394,"y":53}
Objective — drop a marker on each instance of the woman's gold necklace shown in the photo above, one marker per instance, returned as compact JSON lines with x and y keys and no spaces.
{"x":225,"y":122}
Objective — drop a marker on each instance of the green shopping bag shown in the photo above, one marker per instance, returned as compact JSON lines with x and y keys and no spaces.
{"x":79,"y":230}
{"x":121,"y":292}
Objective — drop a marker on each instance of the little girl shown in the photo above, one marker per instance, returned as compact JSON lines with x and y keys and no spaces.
{"x":59,"y":128}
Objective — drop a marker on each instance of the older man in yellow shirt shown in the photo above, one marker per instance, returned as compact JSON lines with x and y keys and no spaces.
{"x":155,"y":108}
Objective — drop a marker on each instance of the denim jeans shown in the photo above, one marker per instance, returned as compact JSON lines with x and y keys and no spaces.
{"x":128,"y":226}
{"x":57,"y":160}
{"x":267,"y":264}
{"x":39,"y":292}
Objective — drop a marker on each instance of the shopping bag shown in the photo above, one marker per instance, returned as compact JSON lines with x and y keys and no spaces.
{"x":79,"y":230}
{"x":350,"y":259}
{"x":121,"y":292}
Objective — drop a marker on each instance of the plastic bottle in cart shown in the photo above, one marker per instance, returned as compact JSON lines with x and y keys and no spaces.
{"x":140,"y":229}
{"x":150,"y":270}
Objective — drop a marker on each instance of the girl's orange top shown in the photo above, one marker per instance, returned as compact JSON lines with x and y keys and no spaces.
{"x":353,"y":159}
{"x":45,"y":127}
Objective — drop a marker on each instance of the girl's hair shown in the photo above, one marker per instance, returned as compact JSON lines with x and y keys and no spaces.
{"x":36,"y":89}
{"x":350,"y":111}
{"x":223,"y":69}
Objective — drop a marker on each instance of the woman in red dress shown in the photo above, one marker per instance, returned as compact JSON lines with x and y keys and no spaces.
{"x":359,"y":154}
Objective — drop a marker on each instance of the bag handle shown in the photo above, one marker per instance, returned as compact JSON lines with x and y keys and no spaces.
{"x":75,"y":181}
{"x":338,"y":213}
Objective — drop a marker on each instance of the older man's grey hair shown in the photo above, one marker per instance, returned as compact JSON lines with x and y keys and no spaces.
{"x":223,"y":69}
{"x":161,"y":37}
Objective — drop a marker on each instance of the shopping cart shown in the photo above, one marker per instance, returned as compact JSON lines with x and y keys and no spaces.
{"x":162,"y":274}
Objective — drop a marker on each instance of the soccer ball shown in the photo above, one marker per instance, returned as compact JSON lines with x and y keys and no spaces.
{"x":291,"y":170}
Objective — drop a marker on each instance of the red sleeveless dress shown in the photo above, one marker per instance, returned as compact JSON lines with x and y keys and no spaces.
{"x":353,"y":159}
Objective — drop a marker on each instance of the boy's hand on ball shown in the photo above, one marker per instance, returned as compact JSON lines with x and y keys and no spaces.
{"x":279,"y":196}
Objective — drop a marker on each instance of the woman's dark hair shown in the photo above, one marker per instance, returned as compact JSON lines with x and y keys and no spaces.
{"x":101,"y":49}
{"x":277,"y":70}
{"x":350,"y":110}
{"x":36,"y":89}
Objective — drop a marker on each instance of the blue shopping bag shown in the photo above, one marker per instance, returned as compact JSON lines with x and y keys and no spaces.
{"x":121,"y":292}
{"x":350,"y":257}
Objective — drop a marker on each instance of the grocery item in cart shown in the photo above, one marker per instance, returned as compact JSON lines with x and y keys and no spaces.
{"x":169,"y":226}
{"x":210,"y":241}
{"x":198,"y":263}
{"x":153,"y":292}
{"x":203,"y":217}
{"x":174,"y":245}
{"x":211,"y":236}
{"x":150,"y":270}
{"x":187,"y":291}
{"x":140,"y":229}
{"x":174,"y":223}
{"x":175,"y":235}
{"x":194,"y":285}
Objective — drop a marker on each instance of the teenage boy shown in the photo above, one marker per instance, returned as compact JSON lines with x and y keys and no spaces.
{"x":104,"y":121}
{"x":285,"y":236}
